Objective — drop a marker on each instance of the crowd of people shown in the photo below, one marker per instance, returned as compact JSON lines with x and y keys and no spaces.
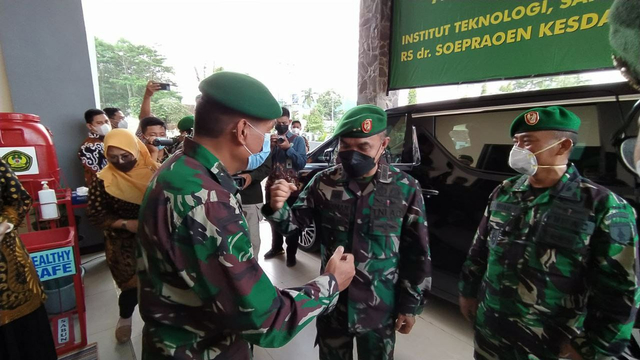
{"x":553,"y":271}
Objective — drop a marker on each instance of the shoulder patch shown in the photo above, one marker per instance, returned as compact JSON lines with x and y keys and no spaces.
{"x":622,"y":233}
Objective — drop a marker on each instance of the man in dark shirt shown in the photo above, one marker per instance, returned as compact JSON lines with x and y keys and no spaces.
{"x":289,"y":156}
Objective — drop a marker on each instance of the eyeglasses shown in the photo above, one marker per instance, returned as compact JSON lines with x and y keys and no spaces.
{"x":124,"y":158}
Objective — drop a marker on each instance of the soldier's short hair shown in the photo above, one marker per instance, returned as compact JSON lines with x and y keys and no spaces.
{"x":213,"y":119}
{"x":559,"y":135}
{"x":567,"y":135}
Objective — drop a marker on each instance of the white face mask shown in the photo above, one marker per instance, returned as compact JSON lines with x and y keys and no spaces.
{"x":525,"y":162}
{"x":103,"y":129}
{"x":123,"y":124}
{"x":295,"y":131}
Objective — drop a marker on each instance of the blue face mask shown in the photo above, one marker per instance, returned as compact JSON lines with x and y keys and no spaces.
{"x":255,"y":160}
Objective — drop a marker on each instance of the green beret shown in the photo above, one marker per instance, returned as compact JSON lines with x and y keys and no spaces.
{"x":624,"y":35}
{"x":549,"y":118}
{"x":361,"y":122}
{"x":186,"y":123}
{"x":241,"y":93}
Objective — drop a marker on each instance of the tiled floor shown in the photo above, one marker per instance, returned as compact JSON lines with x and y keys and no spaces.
{"x":440,"y":332}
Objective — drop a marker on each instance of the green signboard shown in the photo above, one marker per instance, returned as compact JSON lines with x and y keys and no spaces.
{"x":437,"y":42}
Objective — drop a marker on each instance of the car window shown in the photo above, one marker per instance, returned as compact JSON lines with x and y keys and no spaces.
{"x":397,"y":129}
{"x":482,"y":141}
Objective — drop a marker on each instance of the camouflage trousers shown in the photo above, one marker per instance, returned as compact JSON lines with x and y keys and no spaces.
{"x":498,"y":338}
{"x":335,"y":341}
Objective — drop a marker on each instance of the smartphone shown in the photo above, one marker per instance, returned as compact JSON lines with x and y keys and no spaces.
{"x":240,"y":181}
{"x":165,"y":86}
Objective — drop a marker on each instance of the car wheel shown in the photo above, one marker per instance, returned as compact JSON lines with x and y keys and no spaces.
{"x":307,"y":241}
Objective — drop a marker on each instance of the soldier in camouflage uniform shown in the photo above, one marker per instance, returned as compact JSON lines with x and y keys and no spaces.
{"x":377,"y":213}
{"x":553,"y":265}
{"x":202,"y":293}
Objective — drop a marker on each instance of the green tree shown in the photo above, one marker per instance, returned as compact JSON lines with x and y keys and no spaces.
{"x":315,"y":123}
{"x":543,"y":83}
{"x":123,"y":71}
{"x":308,"y":97}
{"x":413,"y":97}
{"x":328,"y":105}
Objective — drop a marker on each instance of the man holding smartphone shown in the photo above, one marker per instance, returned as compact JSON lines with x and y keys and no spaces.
{"x":289,"y":157}
{"x":145,"y":107}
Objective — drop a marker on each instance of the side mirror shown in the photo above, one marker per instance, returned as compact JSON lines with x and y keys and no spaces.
{"x":627,"y":150}
{"x":327,"y":156}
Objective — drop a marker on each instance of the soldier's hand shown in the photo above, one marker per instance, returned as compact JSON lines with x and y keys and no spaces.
{"x":469,"y":308}
{"x":342,"y":267}
{"x":280,"y":192}
{"x":404,"y":323}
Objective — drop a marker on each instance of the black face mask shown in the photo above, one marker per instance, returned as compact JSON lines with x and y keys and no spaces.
{"x":355,"y":163}
{"x":125,"y":167}
{"x":282,"y":129}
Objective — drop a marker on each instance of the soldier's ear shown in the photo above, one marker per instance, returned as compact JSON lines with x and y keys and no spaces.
{"x":386,"y":142}
{"x":241,"y":131}
{"x":565,"y":146}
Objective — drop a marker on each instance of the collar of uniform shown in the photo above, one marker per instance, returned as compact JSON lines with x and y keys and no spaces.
{"x":566,"y":188}
{"x":569,"y":185}
{"x":199,"y":153}
{"x":95,"y":136}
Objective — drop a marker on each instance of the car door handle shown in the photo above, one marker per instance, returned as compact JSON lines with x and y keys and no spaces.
{"x":430,"y":193}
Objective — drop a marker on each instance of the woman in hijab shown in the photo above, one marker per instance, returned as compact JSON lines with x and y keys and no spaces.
{"x":114,"y":202}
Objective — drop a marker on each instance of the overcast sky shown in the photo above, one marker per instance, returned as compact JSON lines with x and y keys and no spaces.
{"x":289,"y":45}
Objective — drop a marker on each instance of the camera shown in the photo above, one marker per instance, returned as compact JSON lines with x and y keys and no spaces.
{"x":280,"y":140}
{"x":164,"y":142}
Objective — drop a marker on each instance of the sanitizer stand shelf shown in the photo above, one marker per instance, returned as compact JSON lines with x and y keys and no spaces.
{"x":56,"y":255}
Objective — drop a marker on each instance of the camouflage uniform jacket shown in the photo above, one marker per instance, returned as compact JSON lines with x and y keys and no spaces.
{"x":202,"y":293}
{"x":557,"y":267}
{"x":384,"y":227}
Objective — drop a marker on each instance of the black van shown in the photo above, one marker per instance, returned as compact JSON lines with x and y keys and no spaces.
{"x":464,"y":148}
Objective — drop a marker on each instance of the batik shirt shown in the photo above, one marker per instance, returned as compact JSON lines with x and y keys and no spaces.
{"x":92,"y":156}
